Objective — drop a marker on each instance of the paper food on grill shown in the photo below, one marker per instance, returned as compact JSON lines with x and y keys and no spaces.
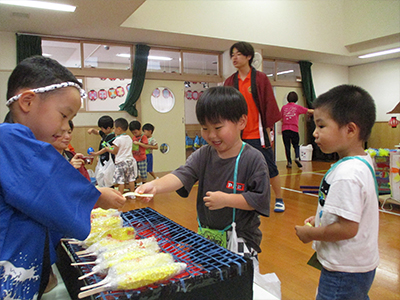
{"x":136,"y":279}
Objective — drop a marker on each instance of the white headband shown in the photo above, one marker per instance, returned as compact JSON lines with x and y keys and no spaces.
{"x":48,"y":89}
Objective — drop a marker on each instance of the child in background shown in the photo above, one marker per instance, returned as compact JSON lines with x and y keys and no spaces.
{"x":125,"y":164}
{"x":148,"y":130}
{"x":226,"y":160}
{"x":345,"y":227}
{"x":106,"y":125}
{"x":61,"y":144}
{"x":138,"y":149}
{"x":290,"y":127}
{"x":39,"y":190}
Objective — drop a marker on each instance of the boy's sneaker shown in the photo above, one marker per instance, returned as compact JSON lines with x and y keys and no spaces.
{"x":279,"y":207}
{"x":289,"y":165}
{"x":298,"y":163}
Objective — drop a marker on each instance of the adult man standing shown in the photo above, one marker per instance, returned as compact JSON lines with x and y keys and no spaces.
{"x":263,"y":111}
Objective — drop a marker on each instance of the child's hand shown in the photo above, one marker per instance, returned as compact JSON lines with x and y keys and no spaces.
{"x":147,"y":188}
{"x":303,"y":232}
{"x":215,"y":200}
{"x":92,"y":130}
{"x":77,"y":160}
{"x":310,"y":220}
{"x":110,"y":198}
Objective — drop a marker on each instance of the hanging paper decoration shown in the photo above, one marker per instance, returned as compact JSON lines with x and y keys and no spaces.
{"x":189,"y":95}
{"x":195,"y":95}
{"x":102,"y":94}
{"x":120,"y":91}
{"x":92,"y":95}
{"x":112,"y":79}
{"x":103,"y":78}
{"x":128,"y":86}
{"x":393,"y":122}
{"x":156,"y":93}
{"x":166,"y":93}
{"x":112,"y":93}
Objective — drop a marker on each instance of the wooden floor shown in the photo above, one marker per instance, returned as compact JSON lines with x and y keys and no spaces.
{"x":282,"y":252}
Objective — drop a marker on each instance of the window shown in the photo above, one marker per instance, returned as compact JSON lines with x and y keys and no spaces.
{"x":288,"y":71}
{"x":203,"y":64}
{"x":66,"y":53}
{"x":104,"y":56}
{"x":282,"y":70}
{"x":163,"y":61}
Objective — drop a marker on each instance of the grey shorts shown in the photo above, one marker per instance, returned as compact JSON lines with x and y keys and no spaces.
{"x":125,"y":172}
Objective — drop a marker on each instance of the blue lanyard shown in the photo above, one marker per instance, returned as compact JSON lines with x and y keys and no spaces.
{"x":234,"y":187}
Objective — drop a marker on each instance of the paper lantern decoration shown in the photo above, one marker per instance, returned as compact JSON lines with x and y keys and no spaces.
{"x":120,"y":91}
{"x":195,"y":95}
{"x":189,"y":95}
{"x":92,"y":95}
{"x":393,"y":122}
{"x":112,"y":93}
{"x":102,"y":94}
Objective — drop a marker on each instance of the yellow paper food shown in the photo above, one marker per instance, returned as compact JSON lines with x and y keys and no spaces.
{"x":137,"y":279}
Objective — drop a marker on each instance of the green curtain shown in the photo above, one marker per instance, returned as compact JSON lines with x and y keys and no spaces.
{"x":138,"y":77}
{"x":27,"y":46}
{"x":307,"y":82}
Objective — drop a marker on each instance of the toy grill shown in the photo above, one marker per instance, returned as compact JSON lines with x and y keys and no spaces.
{"x":212,"y":271}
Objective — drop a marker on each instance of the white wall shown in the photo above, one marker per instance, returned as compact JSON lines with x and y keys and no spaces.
{"x":327,"y":76}
{"x":382,"y":81}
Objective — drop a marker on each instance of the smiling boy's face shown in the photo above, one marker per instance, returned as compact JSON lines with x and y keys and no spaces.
{"x":48,"y":116}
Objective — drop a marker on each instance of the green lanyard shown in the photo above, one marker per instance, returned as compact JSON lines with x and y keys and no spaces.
{"x":234,"y":188}
{"x":336,"y":164}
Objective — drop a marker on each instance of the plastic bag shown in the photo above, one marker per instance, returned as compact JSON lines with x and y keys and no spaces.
{"x":270,"y":282}
{"x":104,"y":174}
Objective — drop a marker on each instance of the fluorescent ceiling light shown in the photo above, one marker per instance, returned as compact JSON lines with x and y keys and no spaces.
{"x":149,"y":57}
{"x":41,"y":5}
{"x":281,"y":73}
{"x":46,"y":54}
{"x":385,"y":52}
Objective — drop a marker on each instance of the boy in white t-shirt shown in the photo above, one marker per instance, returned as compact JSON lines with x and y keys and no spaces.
{"x":345,"y":228}
{"x":125,"y":164}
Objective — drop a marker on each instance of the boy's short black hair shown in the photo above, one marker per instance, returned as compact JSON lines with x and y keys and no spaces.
{"x":245,"y":48}
{"x":148,"y":127}
{"x":349,"y":103}
{"x":134,"y":125}
{"x":105,"y":122}
{"x":220,"y":103}
{"x":38,"y":71}
{"x":292,"y":97}
{"x":121,"y":123}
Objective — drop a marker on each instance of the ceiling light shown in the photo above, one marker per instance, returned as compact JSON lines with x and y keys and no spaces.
{"x":385,"y":52}
{"x":149,"y":57}
{"x":40,"y":4}
{"x":126,"y":55}
{"x":281,"y":73}
{"x":159,"y":57}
